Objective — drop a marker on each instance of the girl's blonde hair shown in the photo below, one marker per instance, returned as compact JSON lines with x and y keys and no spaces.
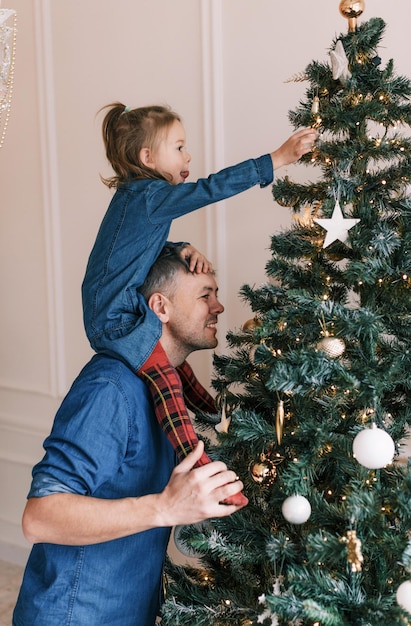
{"x":126,"y":131}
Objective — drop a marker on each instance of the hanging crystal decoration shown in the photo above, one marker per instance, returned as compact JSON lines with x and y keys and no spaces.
{"x":8,"y":32}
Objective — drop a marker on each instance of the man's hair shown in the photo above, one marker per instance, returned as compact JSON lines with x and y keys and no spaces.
{"x":162,"y":275}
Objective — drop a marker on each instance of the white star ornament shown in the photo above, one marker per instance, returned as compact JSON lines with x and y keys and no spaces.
{"x":337,"y":226}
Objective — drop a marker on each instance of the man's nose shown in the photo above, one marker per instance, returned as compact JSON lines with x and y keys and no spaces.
{"x":218,"y":308}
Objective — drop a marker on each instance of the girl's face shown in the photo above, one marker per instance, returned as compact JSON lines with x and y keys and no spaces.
{"x":170,"y":157}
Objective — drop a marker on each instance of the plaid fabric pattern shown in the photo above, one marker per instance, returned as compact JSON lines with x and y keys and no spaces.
{"x":197,"y":398}
{"x":166,"y":390}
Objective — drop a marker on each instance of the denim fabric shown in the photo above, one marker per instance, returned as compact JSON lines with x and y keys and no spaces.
{"x":133,"y":232}
{"x":106,"y":443}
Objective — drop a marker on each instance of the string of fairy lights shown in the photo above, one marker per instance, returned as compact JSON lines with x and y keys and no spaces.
{"x":372,"y":447}
{"x":8,"y":35}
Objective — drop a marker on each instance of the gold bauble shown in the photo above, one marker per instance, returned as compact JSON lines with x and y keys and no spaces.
{"x":263,"y":472}
{"x":332,"y":346}
{"x":251,"y":325}
{"x":351,"y":9}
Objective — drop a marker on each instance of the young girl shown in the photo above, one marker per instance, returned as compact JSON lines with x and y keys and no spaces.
{"x":146,"y":148}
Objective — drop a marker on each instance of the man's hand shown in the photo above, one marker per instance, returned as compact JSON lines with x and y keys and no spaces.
{"x":193,"y":495}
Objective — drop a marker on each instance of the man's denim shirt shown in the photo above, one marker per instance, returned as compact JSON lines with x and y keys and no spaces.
{"x":105,"y":443}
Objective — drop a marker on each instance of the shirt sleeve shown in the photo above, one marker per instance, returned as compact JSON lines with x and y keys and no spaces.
{"x":165,"y":202}
{"x":45,"y":485}
{"x":88,"y":441}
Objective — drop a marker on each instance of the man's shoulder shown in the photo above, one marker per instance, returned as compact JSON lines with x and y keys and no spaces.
{"x":105,"y":369}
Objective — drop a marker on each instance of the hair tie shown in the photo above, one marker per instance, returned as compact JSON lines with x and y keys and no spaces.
{"x":127,"y":109}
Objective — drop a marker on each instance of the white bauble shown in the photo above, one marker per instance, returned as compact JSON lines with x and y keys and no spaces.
{"x":373,"y":448}
{"x":182,"y":546}
{"x":404,"y":595}
{"x":332,"y":346}
{"x":296,"y":509}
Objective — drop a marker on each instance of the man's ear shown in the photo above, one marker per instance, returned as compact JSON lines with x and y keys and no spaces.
{"x":159,"y":304}
{"x":146,"y":157}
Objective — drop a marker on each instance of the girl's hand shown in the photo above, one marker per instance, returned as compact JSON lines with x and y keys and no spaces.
{"x":299,"y":143}
{"x":197,"y":261}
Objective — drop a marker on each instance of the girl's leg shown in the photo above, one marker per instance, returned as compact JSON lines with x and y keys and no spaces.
{"x":167,"y":392}
{"x":196,"y":397}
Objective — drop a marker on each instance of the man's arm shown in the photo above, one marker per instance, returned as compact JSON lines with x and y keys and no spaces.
{"x":189,"y":497}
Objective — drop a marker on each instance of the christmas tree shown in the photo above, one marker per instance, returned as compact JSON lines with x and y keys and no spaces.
{"x":316,"y":391}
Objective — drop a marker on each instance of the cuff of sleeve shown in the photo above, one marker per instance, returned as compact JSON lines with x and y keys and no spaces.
{"x":177,"y":244}
{"x":45,"y":485}
{"x":265,"y":170}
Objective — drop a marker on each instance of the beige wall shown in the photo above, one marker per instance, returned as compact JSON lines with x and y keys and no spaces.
{"x":223,"y":65}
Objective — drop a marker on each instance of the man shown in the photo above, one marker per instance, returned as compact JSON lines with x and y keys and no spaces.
{"x":105,"y":495}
